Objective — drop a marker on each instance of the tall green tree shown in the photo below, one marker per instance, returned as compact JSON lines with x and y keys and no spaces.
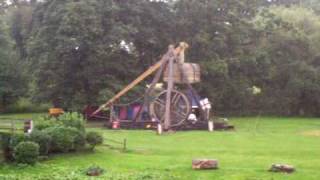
{"x":84,"y":50}
{"x":220,"y":35}
{"x":289,"y":44}
{"x":11,"y":81}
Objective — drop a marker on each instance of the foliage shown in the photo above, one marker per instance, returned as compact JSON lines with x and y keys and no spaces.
{"x":12,"y":82}
{"x":8,"y":142}
{"x":43,"y":122}
{"x":74,"y":59}
{"x":42,"y":139}
{"x":94,"y":138}
{"x":288,"y":46}
{"x":65,"y":139}
{"x":72,"y":119}
{"x":26,"y":152}
{"x":79,"y":139}
{"x":16,"y":139}
{"x":26,"y":105}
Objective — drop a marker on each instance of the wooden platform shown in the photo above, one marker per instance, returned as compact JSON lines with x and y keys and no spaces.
{"x":129,"y":124}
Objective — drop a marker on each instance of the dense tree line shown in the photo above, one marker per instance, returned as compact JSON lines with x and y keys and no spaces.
{"x":78,"y":52}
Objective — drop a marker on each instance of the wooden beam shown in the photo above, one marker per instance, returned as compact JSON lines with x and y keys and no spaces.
{"x":167,"y":120}
{"x":151,"y":89}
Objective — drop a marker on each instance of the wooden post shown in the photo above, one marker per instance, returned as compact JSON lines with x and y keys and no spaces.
{"x":210,"y":126}
{"x":111,"y":113}
{"x":167,"y":120}
{"x":125,"y":144}
{"x":12,"y":126}
{"x":211,"y":123}
{"x":159,"y":128}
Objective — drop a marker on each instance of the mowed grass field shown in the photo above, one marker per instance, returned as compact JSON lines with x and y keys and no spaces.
{"x":244,"y":154}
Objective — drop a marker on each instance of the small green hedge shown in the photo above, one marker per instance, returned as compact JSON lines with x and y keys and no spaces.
{"x":50,"y":135}
{"x":94,"y":139}
{"x":26,"y":152}
{"x":44,"y":122}
{"x":43,"y":139}
{"x":65,"y":139}
{"x":16,"y":139}
{"x":72,"y":119}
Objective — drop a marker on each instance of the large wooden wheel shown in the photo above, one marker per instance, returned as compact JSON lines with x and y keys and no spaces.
{"x":180,"y":107}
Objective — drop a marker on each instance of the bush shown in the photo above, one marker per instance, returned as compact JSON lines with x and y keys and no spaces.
{"x":5,"y":145}
{"x":8,"y":142}
{"x":61,"y":140}
{"x":93,"y":139}
{"x":72,"y":119}
{"x":43,"y":139}
{"x":79,"y":138}
{"x":44,"y":122}
{"x":26,"y":152}
{"x":16,"y":139}
{"x":64,"y":139}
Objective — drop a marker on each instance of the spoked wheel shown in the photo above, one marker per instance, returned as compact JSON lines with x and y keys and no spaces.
{"x":180,"y":107}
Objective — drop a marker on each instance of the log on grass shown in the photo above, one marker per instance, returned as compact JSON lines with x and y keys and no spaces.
{"x":205,"y":164}
{"x":282,"y":168}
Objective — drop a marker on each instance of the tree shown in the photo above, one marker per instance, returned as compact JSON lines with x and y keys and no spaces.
{"x":83,"y":49}
{"x":83,"y":52}
{"x":289,"y":44}
{"x":220,"y":34}
{"x":11,"y":81}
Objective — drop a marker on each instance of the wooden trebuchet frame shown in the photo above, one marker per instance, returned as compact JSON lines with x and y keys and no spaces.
{"x":171,"y":53}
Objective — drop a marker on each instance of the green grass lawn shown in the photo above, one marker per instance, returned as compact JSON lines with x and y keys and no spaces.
{"x":243,"y":154}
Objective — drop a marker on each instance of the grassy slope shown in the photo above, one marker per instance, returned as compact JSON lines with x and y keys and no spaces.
{"x":245,"y":154}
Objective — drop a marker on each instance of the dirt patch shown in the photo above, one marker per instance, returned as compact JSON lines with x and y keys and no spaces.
{"x":315,"y":133}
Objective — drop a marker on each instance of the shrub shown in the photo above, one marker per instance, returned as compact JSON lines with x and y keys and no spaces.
{"x":5,"y":145}
{"x":43,"y":139}
{"x":44,"y":122}
{"x":26,"y":152}
{"x":93,"y":139}
{"x":72,"y":119}
{"x":16,"y":139}
{"x":79,"y":138}
{"x":8,"y":142}
{"x":64,"y":139}
{"x":61,"y":140}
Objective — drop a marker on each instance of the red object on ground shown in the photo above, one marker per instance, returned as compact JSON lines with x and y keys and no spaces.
{"x":115,"y":124}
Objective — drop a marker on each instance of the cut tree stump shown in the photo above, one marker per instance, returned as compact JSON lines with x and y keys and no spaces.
{"x":204,"y":164}
{"x":282,"y":168}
